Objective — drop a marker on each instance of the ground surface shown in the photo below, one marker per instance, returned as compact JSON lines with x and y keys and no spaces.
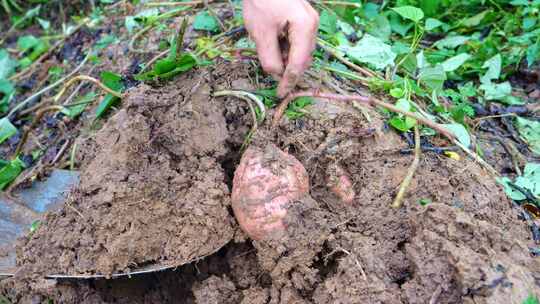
{"x":156,"y":190}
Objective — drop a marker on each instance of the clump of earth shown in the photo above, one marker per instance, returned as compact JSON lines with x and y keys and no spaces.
{"x":155,"y":190}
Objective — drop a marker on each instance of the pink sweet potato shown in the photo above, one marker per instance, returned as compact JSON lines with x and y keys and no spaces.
{"x":265,"y":183}
{"x":339,"y":182}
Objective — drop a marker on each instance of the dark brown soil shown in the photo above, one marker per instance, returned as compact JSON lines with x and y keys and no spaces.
{"x":155,"y":189}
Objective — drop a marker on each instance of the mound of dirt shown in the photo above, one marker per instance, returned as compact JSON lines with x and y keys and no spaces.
{"x":152,"y":189}
{"x":155,"y":189}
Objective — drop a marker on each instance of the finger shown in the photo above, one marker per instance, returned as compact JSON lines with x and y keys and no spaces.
{"x":269,"y":52}
{"x":302,"y":43}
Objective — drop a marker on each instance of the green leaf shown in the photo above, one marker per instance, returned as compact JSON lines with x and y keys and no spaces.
{"x":433,"y":77}
{"x":452,"y":64}
{"x":460,"y":132}
{"x":410,"y":12}
{"x":295,"y":108}
{"x":402,"y":124}
{"x":81,"y":104}
{"x":533,"y":53}
{"x":105,"y":42}
{"x":107,"y":103}
{"x":26,"y":43}
{"x":424,"y":202}
{"x":164,"y":66}
{"x":32,"y":47}
{"x":400,"y":26}
{"x":112,"y":80}
{"x":7,"y":65}
{"x":496,"y":91}
{"x":328,"y":22}
{"x":509,"y":190}
{"x":528,"y":23}
{"x":35,"y":226}
{"x":475,"y":20}
{"x":10,"y":171}
{"x":380,"y":27}
{"x":7,"y":129}
{"x":206,"y":22}
{"x":494,"y":66}
{"x":531,"y":299}
{"x":371,"y":50}
{"x":397,"y":92}
{"x":430,"y":7}
{"x":7,"y":90}
{"x":530,"y":131}
{"x":133,"y":22}
{"x":406,"y":123}
{"x":185,"y":63}
{"x":45,"y":24}
{"x":432,"y":24}
{"x":530,"y":180}
{"x":451,"y":42}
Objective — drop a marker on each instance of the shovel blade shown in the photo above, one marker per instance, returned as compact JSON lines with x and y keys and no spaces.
{"x":16,"y":217}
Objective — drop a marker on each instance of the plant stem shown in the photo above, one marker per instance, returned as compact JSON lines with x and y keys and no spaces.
{"x":398,"y":201}
{"x":363,"y":99}
{"x":48,"y":88}
{"x":87,"y":78}
{"x":35,"y":121}
{"x":323,"y":44}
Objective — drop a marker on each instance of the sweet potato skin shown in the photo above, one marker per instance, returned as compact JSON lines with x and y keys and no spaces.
{"x":339,"y":182}
{"x":265,"y":183}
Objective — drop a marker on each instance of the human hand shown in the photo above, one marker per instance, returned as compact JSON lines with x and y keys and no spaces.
{"x":295,"y":20}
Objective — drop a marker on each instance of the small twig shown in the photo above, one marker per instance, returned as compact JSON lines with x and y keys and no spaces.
{"x":364,"y":276}
{"x":23,"y":103}
{"x":74,"y":209}
{"x":322,"y":44}
{"x":76,"y":91}
{"x":60,"y":152}
{"x":477,"y":121}
{"x":36,"y":120}
{"x":136,"y":37}
{"x":249,"y":97}
{"x":478,"y":159}
{"x":86,"y":78}
{"x":72,"y":157}
{"x":515,"y":156}
{"x":34,"y":108}
{"x":156,"y":58}
{"x":398,"y":201}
